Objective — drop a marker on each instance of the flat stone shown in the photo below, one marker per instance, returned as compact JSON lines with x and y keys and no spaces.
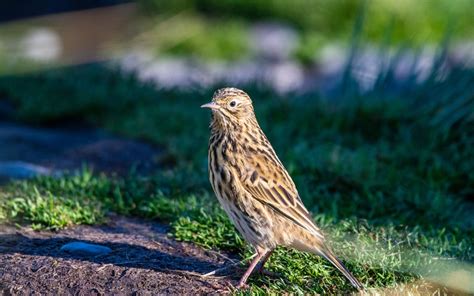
{"x":27,"y":151}
{"x":21,"y":170}
{"x":85,"y":249}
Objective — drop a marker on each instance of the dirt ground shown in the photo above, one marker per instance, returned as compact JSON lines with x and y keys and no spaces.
{"x":144,"y":261}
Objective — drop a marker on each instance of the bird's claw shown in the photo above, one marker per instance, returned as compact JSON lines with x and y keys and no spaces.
{"x":226,"y":288}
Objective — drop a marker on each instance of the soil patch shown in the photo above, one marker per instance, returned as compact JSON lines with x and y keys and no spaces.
{"x":144,"y":260}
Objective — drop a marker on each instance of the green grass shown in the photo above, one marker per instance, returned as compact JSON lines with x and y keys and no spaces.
{"x":211,"y":22}
{"x":388,"y":175}
{"x":335,"y":18}
{"x":195,"y":35}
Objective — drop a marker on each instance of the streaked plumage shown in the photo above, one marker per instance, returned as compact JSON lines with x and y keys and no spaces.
{"x":253,"y":186}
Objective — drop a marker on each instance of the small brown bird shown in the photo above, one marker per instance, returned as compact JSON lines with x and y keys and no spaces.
{"x":254,"y":188}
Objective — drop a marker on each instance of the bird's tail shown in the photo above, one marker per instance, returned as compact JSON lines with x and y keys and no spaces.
{"x":338,"y":264}
{"x":320,"y":249}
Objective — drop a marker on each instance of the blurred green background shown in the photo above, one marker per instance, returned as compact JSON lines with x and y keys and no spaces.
{"x":220,"y":26}
{"x":222,"y":29}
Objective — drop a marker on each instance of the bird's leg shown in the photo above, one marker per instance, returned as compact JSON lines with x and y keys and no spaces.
{"x":263,"y":261}
{"x":254,"y":263}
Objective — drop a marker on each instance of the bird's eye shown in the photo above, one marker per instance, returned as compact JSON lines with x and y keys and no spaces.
{"x":232,"y":103}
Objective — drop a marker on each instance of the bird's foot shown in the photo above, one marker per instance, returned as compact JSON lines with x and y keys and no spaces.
{"x":226,"y":288}
{"x":241,"y":286}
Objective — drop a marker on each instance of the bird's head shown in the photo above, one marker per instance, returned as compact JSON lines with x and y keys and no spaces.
{"x":231,"y":106}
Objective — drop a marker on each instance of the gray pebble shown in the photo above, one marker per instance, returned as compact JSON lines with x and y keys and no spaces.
{"x":85,"y":249}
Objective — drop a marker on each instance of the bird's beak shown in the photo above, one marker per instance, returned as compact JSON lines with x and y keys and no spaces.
{"x":210,"y":105}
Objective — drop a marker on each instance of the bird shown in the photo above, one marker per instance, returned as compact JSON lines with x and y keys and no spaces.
{"x":254,"y":188}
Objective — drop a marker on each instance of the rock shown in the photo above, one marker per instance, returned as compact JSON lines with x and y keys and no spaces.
{"x":42,"y":45}
{"x":85,"y":249}
{"x":274,"y":41}
{"x":27,"y":152}
{"x":21,"y":170}
{"x":272,"y":65}
{"x":285,"y":77}
{"x":168,"y":72}
{"x":462,"y":53}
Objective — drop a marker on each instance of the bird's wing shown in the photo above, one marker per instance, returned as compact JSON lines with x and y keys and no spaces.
{"x":267,"y":181}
